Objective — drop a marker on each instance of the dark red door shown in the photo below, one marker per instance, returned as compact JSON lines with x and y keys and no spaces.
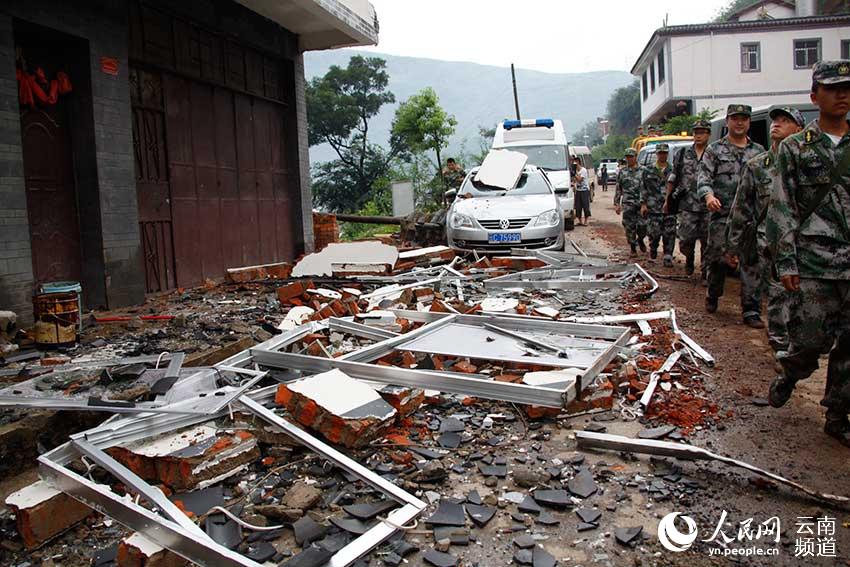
{"x":153,"y":191}
{"x":51,"y":198}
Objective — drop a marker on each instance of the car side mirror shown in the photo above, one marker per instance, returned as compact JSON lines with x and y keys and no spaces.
{"x":450,"y":195}
{"x":562,"y":190}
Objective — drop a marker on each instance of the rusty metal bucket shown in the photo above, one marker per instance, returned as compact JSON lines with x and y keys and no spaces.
{"x":57,"y":318}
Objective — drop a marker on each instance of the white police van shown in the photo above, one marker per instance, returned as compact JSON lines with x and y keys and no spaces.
{"x":544,"y":142}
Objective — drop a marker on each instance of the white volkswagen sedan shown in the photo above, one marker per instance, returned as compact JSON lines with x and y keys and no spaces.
{"x":492,"y":219}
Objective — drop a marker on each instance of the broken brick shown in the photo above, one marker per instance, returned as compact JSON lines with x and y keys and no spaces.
{"x":42,"y":512}
{"x":404,"y":400}
{"x":280,"y":271}
{"x":344,"y":410}
{"x":185,"y":458}
{"x":293,"y":290}
{"x":465,"y":366}
{"x":138,"y":551}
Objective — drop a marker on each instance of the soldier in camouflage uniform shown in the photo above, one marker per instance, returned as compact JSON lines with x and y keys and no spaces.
{"x":627,"y":201}
{"x":717,"y":182}
{"x":745,"y":231}
{"x":682,"y":186}
{"x":652,"y":197}
{"x":807,"y":220}
{"x":453,"y":174}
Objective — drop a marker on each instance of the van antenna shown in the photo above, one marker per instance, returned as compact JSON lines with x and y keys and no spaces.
{"x":516,"y":98}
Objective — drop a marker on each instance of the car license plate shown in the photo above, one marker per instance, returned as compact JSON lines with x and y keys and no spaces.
{"x":503,"y":237}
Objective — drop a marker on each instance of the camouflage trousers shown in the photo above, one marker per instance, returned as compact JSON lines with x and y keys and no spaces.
{"x":778,"y":300}
{"x":661,"y":227}
{"x":819,"y":323}
{"x":717,"y":269}
{"x":634,"y":225}
{"x":693,"y":227}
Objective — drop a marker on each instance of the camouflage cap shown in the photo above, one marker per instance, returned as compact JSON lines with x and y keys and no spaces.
{"x":734,"y":109}
{"x":791,"y":113}
{"x":630,"y":152}
{"x":702,"y":125}
{"x":831,"y":72}
{"x":662,"y":148}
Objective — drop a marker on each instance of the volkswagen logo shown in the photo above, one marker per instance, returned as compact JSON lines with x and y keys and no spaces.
{"x":504,"y":224}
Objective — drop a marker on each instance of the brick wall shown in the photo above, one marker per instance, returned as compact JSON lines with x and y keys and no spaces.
{"x":104,"y":26}
{"x":15,"y":256}
{"x":325,"y":229}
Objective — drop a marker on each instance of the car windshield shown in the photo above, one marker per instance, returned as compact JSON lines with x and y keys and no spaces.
{"x":545,"y":157}
{"x":531,"y":183}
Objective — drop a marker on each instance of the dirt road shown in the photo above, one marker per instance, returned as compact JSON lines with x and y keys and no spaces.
{"x":789,"y":441}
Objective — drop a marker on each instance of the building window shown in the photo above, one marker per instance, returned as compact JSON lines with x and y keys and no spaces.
{"x":645,"y":87}
{"x":652,"y":76}
{"x":845,"y":48}
{"x":750,"y":57}
{"x":661,"y":67}
{"x":806,"y":53}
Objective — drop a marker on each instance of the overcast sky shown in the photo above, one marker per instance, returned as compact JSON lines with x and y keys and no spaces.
{"x":556,"y":36}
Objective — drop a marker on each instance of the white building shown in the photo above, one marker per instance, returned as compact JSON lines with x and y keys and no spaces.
{"x":762,"y":56}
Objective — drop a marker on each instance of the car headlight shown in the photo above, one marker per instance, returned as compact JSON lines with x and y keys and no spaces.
{"x":459,"y":220}
{"x":549,"y":218}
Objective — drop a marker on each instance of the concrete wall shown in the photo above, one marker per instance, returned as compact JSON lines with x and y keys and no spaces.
{"x":104,"y":25}
{"x":662,"y":92}
{"x":304,"y":156}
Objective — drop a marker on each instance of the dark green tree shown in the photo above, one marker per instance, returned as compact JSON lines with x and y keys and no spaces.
{"x":340,"y":105}
{"x":423,"y":125}
{"x":679,"y":124}
{"x":732,"y":7}
{"x":624,"y":110}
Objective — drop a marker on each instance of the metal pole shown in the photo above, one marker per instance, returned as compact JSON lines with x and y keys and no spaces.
{"x":516,"y":98}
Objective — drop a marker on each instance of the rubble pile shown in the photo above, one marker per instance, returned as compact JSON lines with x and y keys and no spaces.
{"x":435,"y":408}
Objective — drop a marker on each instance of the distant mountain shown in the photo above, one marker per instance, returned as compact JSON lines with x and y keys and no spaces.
{"x":479,"y":95}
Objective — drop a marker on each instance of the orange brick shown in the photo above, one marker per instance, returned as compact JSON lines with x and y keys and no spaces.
{"x":41,"y":513}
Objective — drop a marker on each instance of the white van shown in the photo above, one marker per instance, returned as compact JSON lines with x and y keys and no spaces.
{"x":544,"y":142}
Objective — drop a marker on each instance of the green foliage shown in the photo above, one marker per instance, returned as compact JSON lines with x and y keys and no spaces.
{"x":732,"y":7}
{"x":624,"y":110}
{"x":379,"y":205}
{"x":591,"y":130}
{"x":679,"y":124}
{"x":340,"y":105}
{"x":613,"y":147}
{"x":422,"y":125}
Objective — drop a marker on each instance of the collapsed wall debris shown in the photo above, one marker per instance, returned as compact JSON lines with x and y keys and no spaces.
{"x":369,"y":363}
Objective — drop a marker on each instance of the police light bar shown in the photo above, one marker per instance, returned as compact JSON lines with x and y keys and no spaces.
{"x":529,"y":123}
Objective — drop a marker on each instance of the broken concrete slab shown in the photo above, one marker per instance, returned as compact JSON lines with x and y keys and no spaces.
{"x":42,"y":512}
{"x":344,"y":410}
{"x":189,"y":458}
{"x":321,"y":263}
{"x":301,"y":496}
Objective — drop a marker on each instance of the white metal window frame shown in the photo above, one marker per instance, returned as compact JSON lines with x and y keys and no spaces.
{"x":797,"y":49}
{"x":746,"y":55}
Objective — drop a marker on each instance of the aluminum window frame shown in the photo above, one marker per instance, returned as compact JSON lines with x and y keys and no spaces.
{"x":750,"y":44}
{"x":818,"y":56}
{"x":844,"y":49}
{"x":173,"y":532}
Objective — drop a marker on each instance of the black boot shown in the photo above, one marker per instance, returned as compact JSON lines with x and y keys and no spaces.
{"x":689,"y":265}
{"x":633,"y":252}
{"x":837,"y":426}
{"x":642,"y":245}
{"x":711,"y":304}
{"x":780,"y":391}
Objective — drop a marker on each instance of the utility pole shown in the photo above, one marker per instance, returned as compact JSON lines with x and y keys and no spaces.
{"x":516,"y":98}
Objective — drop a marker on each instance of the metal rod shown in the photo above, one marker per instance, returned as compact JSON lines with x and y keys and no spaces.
{"x":516,"y":96}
